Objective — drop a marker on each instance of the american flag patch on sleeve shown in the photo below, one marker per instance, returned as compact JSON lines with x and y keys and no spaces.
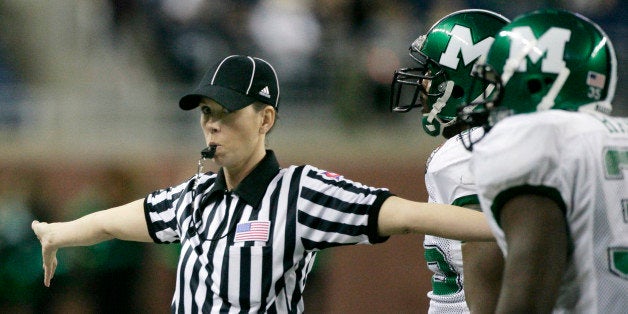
{"x":596,"y":79}
{"x":252,"y":231}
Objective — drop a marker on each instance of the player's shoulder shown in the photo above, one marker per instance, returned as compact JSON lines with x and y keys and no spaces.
{"x":526,"y":141}
{"x":449,"y":153}
{"x":522,"y":138}
{"x":562,"y":121}
{"x":615,"y":126}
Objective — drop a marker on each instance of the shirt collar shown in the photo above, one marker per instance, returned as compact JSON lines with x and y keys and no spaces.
{"x":253,"y":186}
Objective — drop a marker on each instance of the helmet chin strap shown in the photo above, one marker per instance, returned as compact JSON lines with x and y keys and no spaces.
{"x":432,"y":129}
{"x":432,"y":125}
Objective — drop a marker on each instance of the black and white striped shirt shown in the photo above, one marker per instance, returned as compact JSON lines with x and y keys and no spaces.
{"x":250,"y":250}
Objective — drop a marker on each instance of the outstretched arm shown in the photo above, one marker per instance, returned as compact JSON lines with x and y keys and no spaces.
{"x":125,"y":222}
{"x":398,"y":216}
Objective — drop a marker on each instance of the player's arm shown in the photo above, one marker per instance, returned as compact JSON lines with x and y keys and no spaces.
{"x":483,"y":266}
{"x":398,"y":215}
{"x":536,"y":234}
{"x":125,"y":222}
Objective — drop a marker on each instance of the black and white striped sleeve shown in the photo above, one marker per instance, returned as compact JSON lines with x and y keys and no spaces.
{"x":336,"y":211}
{"x":160,"y":209}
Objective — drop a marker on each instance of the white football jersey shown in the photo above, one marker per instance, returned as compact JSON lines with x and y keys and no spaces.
{"x":582,"y":160}
{"x":448,"y":181}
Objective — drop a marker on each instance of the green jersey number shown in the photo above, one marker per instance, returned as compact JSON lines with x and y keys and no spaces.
{"x":615,"y":161}
{"x":450,"y":281}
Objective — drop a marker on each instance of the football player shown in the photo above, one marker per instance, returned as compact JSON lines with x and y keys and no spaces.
{"x":552,"y":169}
{"x":438,"y":85}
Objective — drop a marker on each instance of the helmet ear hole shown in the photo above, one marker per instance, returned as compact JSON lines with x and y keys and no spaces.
{"x":457,"y":92}
{"x":534,"y":86}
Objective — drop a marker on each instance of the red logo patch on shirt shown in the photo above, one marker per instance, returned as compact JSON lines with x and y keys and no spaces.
{"x":332,"y":175}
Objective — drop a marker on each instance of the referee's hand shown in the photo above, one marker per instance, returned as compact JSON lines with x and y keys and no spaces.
{"x":48,"y":251}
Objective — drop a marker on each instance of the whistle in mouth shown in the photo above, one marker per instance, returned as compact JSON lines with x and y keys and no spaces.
{"x":209,"y":152}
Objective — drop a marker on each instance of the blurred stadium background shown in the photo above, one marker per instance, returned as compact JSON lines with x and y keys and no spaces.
{"x":89,"y":120}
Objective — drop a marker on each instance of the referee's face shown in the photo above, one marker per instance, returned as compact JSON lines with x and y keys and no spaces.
{"x":236,"y":134}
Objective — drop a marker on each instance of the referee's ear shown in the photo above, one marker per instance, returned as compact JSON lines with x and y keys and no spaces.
{"x":268,"y":119}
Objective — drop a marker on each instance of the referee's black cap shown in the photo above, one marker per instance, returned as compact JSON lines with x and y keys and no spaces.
{"x":236,"y":82}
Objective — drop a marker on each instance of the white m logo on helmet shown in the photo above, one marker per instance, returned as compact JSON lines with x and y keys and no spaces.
{"x":462,"y":42}
{"x":553,"y":42}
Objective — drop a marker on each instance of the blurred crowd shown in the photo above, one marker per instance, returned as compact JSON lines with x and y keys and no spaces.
{"x":337,"y":52}
{"x":340,"y":53}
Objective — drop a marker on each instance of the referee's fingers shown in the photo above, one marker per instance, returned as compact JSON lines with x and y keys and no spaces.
{"x":49,"y":256}
{"x":50,"y":264}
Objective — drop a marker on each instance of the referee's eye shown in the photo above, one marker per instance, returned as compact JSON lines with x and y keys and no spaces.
{"x":206,"y":110}
{"x":215,"y":114}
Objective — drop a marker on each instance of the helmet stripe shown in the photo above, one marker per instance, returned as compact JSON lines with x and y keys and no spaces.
{"x":548,"y":100}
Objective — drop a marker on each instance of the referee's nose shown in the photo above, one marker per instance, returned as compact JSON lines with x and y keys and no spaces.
{"x":211,"y":125}
{"x":212,"y":114}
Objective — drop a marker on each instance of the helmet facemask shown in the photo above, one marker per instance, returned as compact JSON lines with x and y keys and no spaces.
{"x":425,"y":84}
{"x":475,"y":112}
{"x":484,"y":111}
{"x":405,"y":99}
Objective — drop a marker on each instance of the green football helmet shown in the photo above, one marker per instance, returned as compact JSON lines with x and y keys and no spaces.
{"x":546,"y":59}
{"x":445,"y":57}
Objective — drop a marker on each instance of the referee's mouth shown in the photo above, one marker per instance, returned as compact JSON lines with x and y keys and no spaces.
{"x":216,"y":145}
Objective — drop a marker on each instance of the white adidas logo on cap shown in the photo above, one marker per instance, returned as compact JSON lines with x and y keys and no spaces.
{"x":265,"y":92}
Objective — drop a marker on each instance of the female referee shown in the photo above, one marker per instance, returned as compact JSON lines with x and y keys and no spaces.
{"x":250,"y":232}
